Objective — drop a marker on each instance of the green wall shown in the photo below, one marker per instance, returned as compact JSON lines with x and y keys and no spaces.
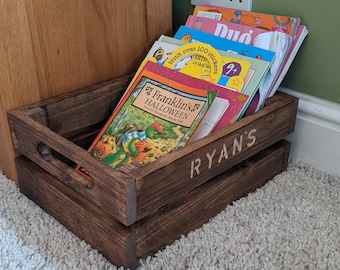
{"x":315,"y":70}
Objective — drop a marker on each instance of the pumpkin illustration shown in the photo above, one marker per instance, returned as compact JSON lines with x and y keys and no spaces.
{"x":102,"y":149}
{"x":143,"y":149}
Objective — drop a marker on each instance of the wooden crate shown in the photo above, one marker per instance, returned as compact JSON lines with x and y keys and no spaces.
{"x":137,"y":200}
{"x":124,"y":245}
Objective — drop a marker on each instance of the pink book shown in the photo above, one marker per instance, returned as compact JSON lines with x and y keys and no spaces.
{"x":232,"y":31}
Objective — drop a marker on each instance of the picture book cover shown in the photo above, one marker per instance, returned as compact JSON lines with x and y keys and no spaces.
{"x":224,"y":109}
{"x":208,"y":64}
{"x":232,"y":31}
{"x":265,"y":21}
{"x":233,"y":70}
{"x":156,"y":116}
{"x":259,"y":68}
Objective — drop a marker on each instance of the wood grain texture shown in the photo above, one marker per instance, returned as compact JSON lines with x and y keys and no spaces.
{"x":124,"y":245}
{"x":197,"y":207}
{"x":49,"y":47}
{"x":111,"y":190}
{"x":19,"y":83}
{"x":86,"y":220}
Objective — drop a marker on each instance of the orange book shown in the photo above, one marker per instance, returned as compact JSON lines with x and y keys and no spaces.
{"x":268,"y":22}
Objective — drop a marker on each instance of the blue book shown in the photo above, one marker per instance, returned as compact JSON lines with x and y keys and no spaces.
{"x":191,"y":35}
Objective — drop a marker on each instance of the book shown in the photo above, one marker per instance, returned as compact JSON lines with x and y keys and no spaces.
{"x":275,"y":39}
{"x":286,"y":56}
{"x":280,"y":43}
{"x":207,"y":63}
{"x":189,"y":35}
{"x":255,"y":75}
{"x":297,"y":42}
{"x":156,"y":116}
{"x":232,"y":31}
{"x":223,"y":110}
{"x":215,"y":115}
{"x":233,"y":72}
{"x":277,"y":42}
{"x":270,"y":22}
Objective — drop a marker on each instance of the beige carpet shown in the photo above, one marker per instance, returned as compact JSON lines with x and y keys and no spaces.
{"x":293,"y":222}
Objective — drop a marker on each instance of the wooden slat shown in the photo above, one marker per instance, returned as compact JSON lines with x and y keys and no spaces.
{"x":82,"y":108}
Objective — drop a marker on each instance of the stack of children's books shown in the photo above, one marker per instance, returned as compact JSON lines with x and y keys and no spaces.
{"x":220,"y":66}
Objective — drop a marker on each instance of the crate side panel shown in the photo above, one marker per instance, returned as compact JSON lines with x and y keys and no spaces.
{"x":110,"y":189}
{"x":95,"y":103}
{"x":88,"y":222}
{"x":91,"y":106}
{"x":195,"y":209}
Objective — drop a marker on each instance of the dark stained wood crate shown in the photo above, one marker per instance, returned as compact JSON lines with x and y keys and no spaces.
{"x":124,"y":245}
{"x":134,"y":207}
{"x":55,"y":133}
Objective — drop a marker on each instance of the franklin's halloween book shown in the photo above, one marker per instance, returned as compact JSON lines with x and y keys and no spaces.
{"x":224,"y":109}
{"x":156,"y":116}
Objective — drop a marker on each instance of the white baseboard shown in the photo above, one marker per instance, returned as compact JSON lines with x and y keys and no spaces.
{"x":316,"y":140}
